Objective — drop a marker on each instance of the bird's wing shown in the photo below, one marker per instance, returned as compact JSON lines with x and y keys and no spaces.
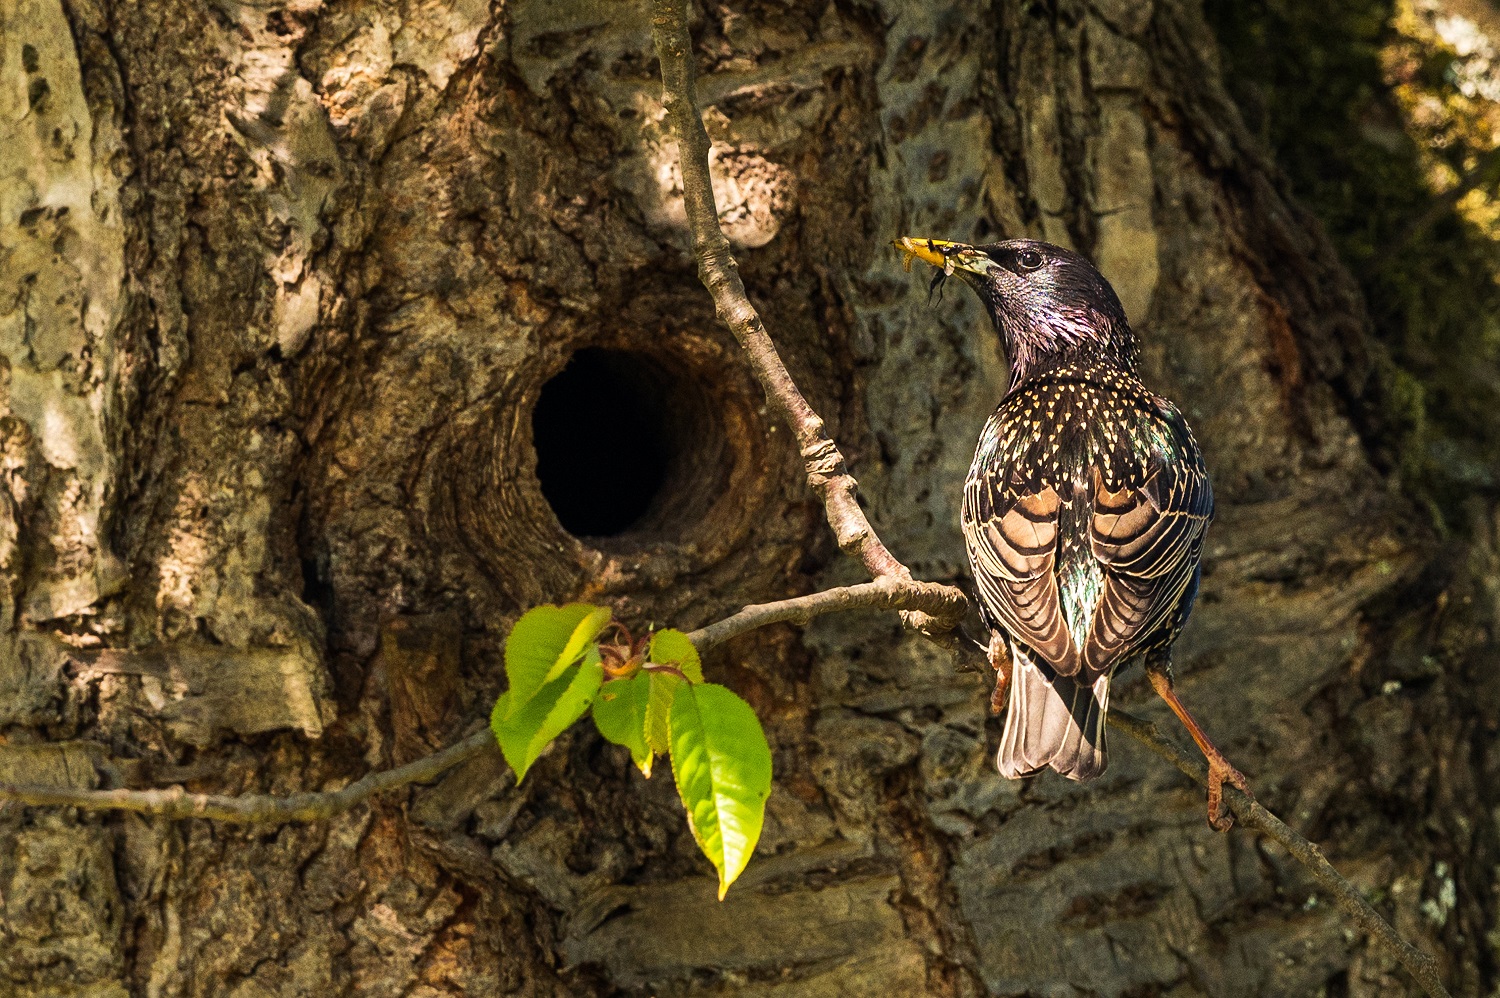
{"x":1012,"y":544}
{"x":1147,"y":538}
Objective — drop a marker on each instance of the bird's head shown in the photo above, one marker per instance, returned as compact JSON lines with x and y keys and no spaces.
{"x":1049,"y":305}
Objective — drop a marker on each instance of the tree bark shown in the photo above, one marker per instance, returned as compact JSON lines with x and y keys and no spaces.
{"x":285,"y":284}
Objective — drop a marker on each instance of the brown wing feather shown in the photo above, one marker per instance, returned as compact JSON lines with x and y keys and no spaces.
{"x":1014,"y":551}
{"x":1148,"y":539}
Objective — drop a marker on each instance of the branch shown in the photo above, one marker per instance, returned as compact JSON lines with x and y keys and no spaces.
{"x":252,"y":809}
{"x":884,"y":594}
{"x":1422,"y":967}
{"x":826,"y":471}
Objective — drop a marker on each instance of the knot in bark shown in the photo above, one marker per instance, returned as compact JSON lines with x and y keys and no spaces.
{"x":823,"y":459}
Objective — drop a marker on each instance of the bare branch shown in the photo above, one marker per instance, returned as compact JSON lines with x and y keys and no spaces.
{"x":1251,"y":814}
{"x":824,"y":463}
{"x":253,"y":809}
{"x":884,"y":593}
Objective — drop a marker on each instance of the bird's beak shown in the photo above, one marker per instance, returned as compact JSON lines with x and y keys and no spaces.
{"x":946,"y":256}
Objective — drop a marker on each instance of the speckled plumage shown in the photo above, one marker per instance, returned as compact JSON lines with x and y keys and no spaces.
{"x":1085,"y":507}
{"x":1102,"y":569}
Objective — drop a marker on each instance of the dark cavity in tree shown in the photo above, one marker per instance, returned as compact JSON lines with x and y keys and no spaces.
{"x":608,"y":430}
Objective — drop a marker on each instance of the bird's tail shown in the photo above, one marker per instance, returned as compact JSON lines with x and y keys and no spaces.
{"x":1053,"y":720}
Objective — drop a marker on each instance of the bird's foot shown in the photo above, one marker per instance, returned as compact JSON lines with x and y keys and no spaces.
{"x":1220,"y":772}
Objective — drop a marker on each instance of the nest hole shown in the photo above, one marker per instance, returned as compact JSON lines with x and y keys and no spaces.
{"x":625,"y":444}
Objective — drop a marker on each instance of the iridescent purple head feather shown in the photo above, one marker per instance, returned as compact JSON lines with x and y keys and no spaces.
{"x":1049,"y":305}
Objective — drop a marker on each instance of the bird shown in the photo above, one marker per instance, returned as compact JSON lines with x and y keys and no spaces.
{"x":1084,"y":511}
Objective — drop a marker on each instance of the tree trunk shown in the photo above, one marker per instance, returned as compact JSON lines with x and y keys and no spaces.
{"x":284,"y":288}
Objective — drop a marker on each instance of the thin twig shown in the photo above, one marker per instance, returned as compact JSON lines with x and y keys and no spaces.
{"x":884,"y":594}
{"x":824,"y":463}
{"x":1251,"y":814}
{"x":253,"y":809}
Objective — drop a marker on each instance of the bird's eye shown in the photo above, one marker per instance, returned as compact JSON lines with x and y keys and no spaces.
{"x":1028,"y":259}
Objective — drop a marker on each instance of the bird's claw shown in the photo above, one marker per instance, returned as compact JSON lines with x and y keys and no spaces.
{"x":1221,"y":772}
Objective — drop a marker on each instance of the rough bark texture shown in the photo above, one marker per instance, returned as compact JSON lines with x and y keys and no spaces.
{"x":280,"y":286}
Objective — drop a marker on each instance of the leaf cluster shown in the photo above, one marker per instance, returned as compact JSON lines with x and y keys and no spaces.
{"x":650,"y":697}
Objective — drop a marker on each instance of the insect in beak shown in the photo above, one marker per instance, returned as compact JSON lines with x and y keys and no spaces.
{"x":938,"y":279}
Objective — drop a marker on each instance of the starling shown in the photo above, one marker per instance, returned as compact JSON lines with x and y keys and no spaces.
{"x":1083,"y":514}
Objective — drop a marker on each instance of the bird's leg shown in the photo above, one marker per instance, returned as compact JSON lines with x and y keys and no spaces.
{"x":1220,"y":772}
{"x":999,"y":655}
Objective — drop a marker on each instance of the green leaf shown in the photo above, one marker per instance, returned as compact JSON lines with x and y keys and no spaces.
{"x":582,"y":637}
{"x":545,"y":642}
{"x":525,"y":729}
{"x":620,"y":716}
{"x":722,"y":766}
{"x":659,"y":710}
{"x":669,"y":647}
